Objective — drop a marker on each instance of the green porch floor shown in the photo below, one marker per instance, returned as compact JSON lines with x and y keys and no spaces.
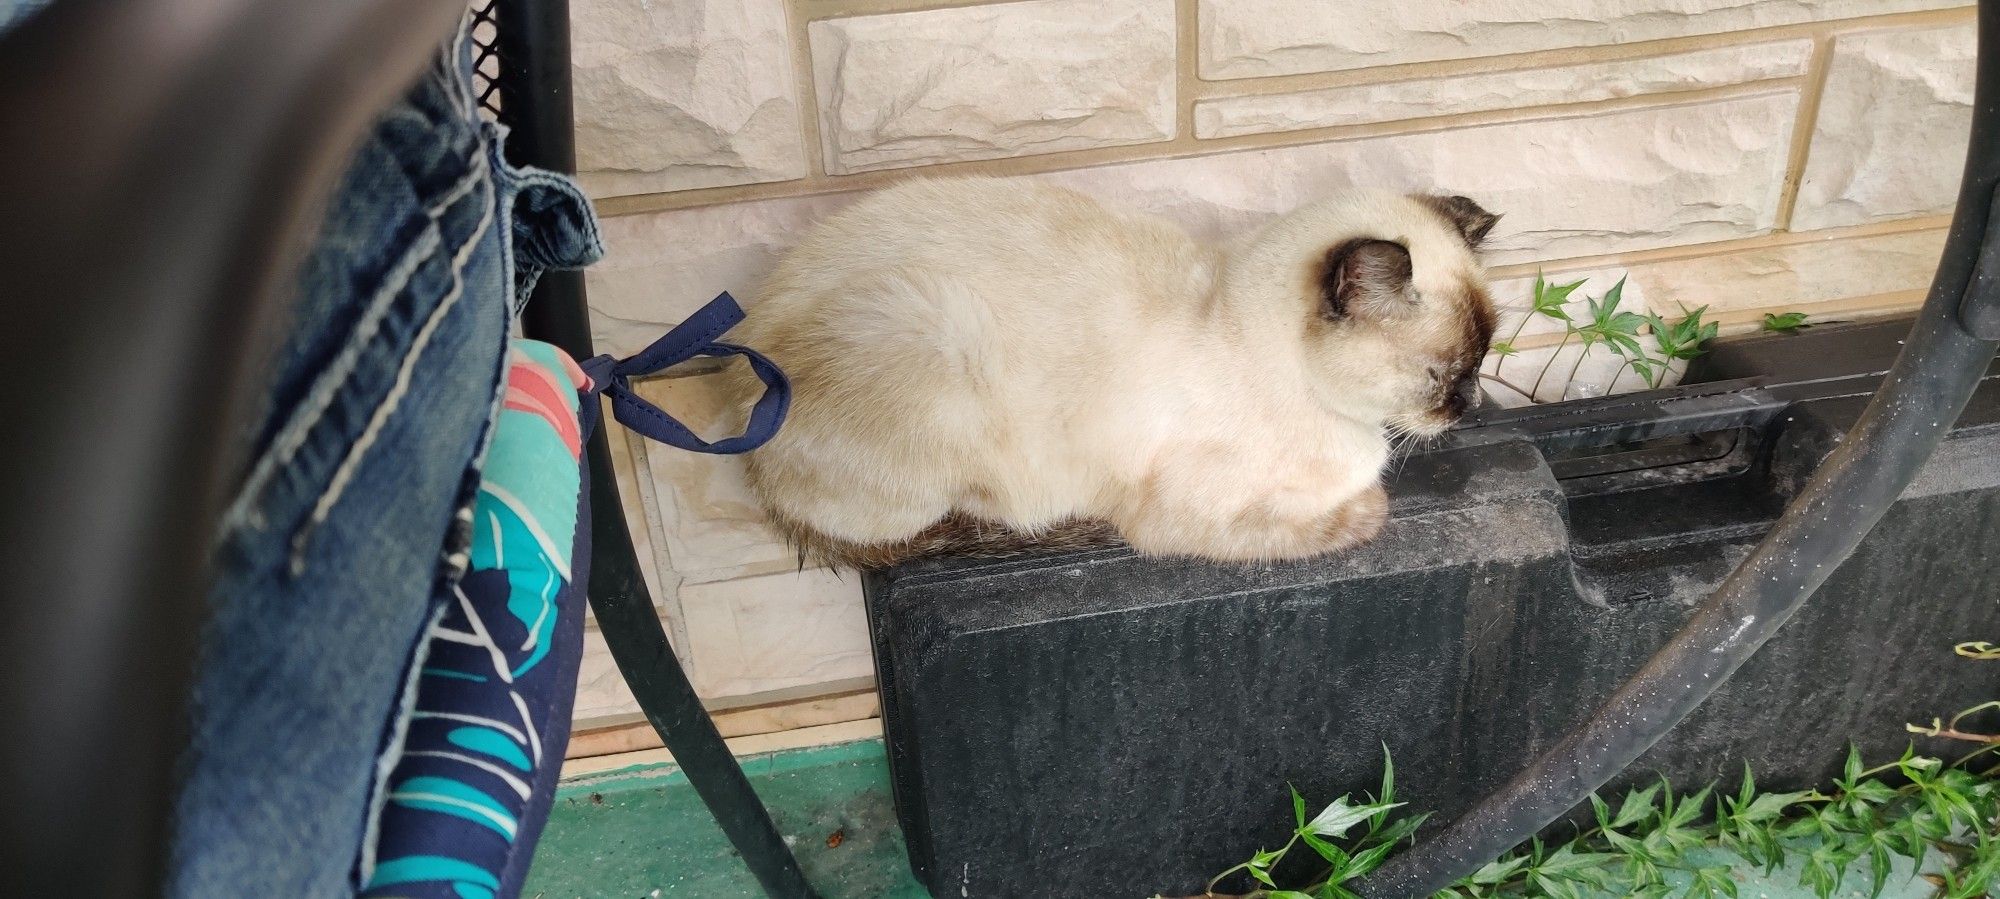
{"x":641,"y":833}
{"x":644,"y":834}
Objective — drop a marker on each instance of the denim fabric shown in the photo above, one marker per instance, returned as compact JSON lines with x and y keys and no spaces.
{"x":352,"y":526}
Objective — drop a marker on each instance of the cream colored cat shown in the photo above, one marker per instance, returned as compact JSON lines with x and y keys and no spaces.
{"x":976,"y":363}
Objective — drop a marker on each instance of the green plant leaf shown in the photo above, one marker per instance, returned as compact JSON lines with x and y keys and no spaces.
{"x":1642,"y":872}
{"x":1689,"y":809}
{"x":1683,"y":339}
{"x":1549,"y":299}
{"x":1823,"y":872}
{"x":1931,"y":825}
{"x":1638,"y":806}
{"x":1334,"y":855}
{"x":1298,"y":807}
{"x":1366,"y":860}
{"x":1662,"y":332}
{"x":1636,"y":848}
{"x":1785,"y":322}
{"x":1340,"y":817}
{"x":1387,"y":798}
{"x":1800,"y":829}
{"x":1401,"y":829}
{"x":1879,"y":864}
{"x":1953,"y":805}
{"x":1654,"y":376}
{"x":1602,"y":811}
{"x":1624,"y":344}
{"x":1769,"y":806}
{"x":1556,"y":889}
{"x":1613,"y":296}
{"x":1566,"y":861}
{"x":1497,"y":871}
{"x":1710,"y":883}
{"x":1873,"y":792}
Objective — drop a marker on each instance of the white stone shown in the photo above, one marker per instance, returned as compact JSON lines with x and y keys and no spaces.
{"x":634,"y":496}
{"x":1612,"y":182}
{"x":601,"y":691}
{"x":604,"y":698}
{"x":1249,"y":38}
{"x":1391,"y":101}
{"x":986,"y":82}
{"x":660,"y":267}
{"x":1567,"y":372}
{"x":1620,"y":181}
{"x":1892,"y":128}
{"x":1795,"y":276}
{"x":683,"y":94}
{"x":776,"y":632}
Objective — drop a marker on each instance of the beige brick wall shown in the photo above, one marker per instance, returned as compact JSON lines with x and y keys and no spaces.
{"x":1749,"y":155}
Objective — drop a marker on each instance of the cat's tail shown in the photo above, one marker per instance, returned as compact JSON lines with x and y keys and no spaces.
{"x":956,"y":535}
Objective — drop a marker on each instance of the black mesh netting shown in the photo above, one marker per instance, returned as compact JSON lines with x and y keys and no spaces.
{"x":486,"y":56}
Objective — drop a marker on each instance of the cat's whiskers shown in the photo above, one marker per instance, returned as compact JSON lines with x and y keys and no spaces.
{"x":1406,"y":441}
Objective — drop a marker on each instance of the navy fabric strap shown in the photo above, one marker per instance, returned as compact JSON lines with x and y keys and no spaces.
{"x":691,"y":338}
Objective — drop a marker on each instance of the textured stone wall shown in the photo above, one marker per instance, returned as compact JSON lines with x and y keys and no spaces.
{"x":1748,"y":155}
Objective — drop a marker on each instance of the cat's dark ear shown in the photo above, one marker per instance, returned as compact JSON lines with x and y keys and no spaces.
{"x":1472,"y":222}
{"x":1363,"y":276}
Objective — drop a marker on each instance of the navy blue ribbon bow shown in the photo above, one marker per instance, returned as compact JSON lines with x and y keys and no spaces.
{"x":691,"y":338}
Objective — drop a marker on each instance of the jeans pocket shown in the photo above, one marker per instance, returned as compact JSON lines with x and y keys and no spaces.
{"x":553,"y":227}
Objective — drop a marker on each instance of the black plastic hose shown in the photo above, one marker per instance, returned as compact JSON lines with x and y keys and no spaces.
{"x":1941,"y":363}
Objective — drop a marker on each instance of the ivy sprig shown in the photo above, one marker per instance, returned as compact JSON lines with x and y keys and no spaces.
{"x":1679,"y":341}
{"x":1602,"y":321}
{"x":1645,"y":844}
{"x":1332,"y":834}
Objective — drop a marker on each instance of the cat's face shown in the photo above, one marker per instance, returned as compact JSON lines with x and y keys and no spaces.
{"x":1402,"y":318}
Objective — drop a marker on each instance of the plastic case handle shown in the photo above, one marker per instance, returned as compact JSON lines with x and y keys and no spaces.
{"x":1610,"y":421}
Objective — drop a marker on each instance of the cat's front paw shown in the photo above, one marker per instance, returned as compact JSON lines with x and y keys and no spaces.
{"x":1356,"y":522}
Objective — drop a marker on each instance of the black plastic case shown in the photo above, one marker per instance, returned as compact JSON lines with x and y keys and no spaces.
{"x":1097,"y":724}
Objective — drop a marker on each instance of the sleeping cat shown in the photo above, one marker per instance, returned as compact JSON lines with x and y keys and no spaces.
{"x":981,"y":366}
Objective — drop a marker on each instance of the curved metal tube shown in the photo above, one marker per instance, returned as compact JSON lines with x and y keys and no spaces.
{"x":1923,"y":394}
